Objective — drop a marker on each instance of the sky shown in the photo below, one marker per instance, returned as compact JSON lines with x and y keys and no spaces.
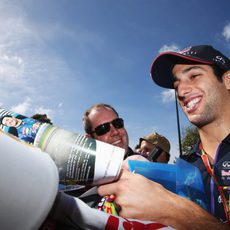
{"x":61,"y":57}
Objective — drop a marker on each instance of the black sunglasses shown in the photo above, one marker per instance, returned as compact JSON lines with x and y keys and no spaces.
{"x":155,"y":153}
{"x":102,"y":129}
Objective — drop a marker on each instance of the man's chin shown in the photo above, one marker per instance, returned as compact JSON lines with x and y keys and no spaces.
{"x":120,"y":145}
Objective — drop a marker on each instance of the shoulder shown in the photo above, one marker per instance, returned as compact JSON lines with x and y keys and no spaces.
{"x":129,"y":152}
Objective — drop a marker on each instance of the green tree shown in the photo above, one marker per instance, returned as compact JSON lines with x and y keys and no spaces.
{"x":190,"y":136}
{"x":42,"y":118}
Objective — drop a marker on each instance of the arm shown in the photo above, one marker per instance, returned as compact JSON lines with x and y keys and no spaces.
{"x":141,"y":198}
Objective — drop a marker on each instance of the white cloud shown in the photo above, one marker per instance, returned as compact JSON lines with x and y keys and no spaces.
{"x":168,"y":95}
{"x":29,"y":67}
{"x":26,"y":108}
{"x":11,"y":69}
{"x":226,"y":32}
{"x":22,"y":108}
{"x":42,"y":110}
{"x":172,"y":47}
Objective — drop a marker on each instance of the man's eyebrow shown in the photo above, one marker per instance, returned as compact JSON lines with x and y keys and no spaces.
{"x":195,"y":67}
{"x":191,"y":68}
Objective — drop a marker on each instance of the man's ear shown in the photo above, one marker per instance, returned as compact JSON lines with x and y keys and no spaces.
{"x":226,"y":79}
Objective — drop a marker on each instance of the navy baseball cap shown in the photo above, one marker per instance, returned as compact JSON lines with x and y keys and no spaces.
{"x":161,"y":68}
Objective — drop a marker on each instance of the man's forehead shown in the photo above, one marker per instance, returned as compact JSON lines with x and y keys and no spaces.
{"x":102,"y":114}
{"x":145,"y":142}
{"x":7,"y":118}
{"x":184,"y":68}
{"x":99,"y":110}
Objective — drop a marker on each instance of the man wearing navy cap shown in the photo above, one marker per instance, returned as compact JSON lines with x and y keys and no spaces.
{"x":201,"y":77}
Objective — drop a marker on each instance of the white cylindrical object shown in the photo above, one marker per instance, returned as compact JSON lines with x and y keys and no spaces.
{"x":80,"y":160}
{"x":28,"y":185}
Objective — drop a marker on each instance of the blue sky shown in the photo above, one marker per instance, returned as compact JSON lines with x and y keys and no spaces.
{"x":60,"y":57}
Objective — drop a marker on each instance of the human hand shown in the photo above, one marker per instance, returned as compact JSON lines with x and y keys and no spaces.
{"x":139,"y":197}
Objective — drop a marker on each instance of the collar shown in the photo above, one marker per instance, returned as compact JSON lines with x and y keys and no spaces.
{"x":227,"y":139}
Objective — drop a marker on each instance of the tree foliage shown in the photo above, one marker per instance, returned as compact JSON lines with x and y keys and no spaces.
{"x":190,"y":136}
{"x":42,"y":118}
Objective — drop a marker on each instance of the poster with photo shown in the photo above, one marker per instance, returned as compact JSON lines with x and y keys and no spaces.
{"x":80,"y":160}
{"x":19,"y":126}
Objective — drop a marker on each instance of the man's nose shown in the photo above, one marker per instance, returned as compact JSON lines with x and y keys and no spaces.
{"x":183,"y":88}
{"x":113,"y":130}
{"x":144,"y":152}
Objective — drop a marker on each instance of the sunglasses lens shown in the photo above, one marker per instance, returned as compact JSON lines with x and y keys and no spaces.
{"x":118,"y":123}
{"x":102,"y":129}
{"x":154,"y":154}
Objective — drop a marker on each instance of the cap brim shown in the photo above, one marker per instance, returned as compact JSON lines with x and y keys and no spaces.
{"x":145,"y":139}
{"x":161,"y":68}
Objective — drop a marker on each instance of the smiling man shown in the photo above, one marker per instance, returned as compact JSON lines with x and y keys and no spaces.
{"x":201,"y":77}
{"x":102,"y":122}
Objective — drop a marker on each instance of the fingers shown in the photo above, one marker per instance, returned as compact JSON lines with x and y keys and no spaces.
{"x":113,"y":188}
{"x":125,"y":165}
{"x":107,"y":189}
